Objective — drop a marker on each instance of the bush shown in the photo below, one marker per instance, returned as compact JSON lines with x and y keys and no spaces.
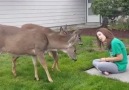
{"x":120,"y":25}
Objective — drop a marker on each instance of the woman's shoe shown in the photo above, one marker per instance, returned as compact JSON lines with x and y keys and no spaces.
{"x":105,"y":73}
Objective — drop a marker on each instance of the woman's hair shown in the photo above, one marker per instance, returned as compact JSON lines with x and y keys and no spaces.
{"x":109,"y":36}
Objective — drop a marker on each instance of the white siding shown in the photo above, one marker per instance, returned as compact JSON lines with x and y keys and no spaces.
{"x":44,"y":12}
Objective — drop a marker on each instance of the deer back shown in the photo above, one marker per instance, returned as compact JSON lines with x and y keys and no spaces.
{"x":6,"y":31}
{"x":25,"y":42}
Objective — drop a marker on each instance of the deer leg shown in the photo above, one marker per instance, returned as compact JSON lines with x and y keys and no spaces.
{"x":34,"y":59}
{"x":50,"y":54}
{"x":42,"y":61}
{"x":14,"y":58}
{"x":55,"y":64}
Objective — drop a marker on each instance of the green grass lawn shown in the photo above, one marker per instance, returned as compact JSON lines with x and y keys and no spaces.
{"x":71,"y":77}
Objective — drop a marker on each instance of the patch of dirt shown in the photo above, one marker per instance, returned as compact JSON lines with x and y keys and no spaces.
{"x":117,"y":33}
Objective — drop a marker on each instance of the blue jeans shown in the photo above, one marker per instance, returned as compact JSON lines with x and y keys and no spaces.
{"x":105,"y":66}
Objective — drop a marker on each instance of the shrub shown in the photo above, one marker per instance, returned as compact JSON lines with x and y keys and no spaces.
{"x":120,"y":25}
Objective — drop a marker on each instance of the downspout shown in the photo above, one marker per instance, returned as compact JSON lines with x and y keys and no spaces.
{"x":85,"y":12}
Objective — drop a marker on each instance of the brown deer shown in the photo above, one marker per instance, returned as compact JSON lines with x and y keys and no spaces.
{"x":34,"y":43}
{"x":9,"y":30}
{"x":63,"y":32}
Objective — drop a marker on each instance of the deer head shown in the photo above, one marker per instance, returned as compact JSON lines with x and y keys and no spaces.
{"x":64,"y":31}
{"x":71,"y":49}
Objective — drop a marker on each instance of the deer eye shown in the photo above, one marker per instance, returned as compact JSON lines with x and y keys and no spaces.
{"x":74,"y":50}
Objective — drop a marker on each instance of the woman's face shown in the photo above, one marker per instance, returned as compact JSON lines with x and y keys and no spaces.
{"x":101,"y":36}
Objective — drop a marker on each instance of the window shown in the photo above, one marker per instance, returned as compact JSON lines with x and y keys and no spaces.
{"x":90,"y":12}
{"x":89,"y":1}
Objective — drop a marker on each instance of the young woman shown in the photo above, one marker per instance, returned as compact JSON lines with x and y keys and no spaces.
{"x":117,"y":62}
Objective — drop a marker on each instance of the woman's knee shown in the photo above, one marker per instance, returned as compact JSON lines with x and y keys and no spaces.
{"x":101,"y":66}
{"x":95,"y":62}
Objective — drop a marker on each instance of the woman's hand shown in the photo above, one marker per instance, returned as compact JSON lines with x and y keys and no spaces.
{"x":103,"y":60}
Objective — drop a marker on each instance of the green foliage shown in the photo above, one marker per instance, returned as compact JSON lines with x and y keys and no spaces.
{"x":125,"y":7}
{"x":126,"y":41}
{"x":71,"y":77}
{"x":121,"y":26}
{"x":110,"y":8}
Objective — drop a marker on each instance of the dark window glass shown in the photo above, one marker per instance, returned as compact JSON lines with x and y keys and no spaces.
{"x":90,"y":12}
{"x":89,"y":1}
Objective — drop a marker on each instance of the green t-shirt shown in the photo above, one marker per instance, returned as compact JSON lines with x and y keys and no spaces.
{"x":118,"y":47}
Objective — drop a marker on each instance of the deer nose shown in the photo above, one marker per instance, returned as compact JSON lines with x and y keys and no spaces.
{"x":75,"y":59}
{"x":80,"y":44}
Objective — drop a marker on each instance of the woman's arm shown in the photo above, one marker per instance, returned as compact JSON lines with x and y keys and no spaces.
{"x":112,"y":59}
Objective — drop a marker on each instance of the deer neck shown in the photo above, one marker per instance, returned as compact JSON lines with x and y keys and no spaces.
{"x":58,"y":41}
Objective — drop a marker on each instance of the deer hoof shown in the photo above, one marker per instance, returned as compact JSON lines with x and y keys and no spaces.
{"x":14,"y":74}
{"x":36,"y":79}
{"x":59,"y":70}
{"x":51,"y":81}
{"x":52,"y":69}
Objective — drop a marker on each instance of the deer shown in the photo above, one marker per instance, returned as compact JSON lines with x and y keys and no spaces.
{"x":9,"y":30}
{"x":62,"y":31}
{"x":35,"y":45}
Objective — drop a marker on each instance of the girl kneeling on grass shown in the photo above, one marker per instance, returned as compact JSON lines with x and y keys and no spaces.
{"x":117,"y":62}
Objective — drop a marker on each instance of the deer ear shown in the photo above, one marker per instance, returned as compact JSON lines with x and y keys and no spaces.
{"x":72,"y":40}
{"x":75,"y":37}
{"x":77,"y":32}
{"x":61,"y":29}
{"x":65,"y":27}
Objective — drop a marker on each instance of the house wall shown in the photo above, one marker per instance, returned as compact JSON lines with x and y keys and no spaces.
{"x":48,"y":13}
